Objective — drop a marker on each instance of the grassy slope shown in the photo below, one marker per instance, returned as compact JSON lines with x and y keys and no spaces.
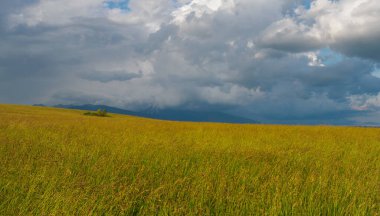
{"x":55,"y":161}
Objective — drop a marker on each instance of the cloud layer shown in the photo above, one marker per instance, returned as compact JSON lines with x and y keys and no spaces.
{"x":276,"y":61}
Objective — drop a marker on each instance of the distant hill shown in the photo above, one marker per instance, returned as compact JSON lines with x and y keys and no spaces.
{"x":168,"y":114}
{"x":91,"y":107}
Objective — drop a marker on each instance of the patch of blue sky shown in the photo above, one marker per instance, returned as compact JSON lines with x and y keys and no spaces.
{"x":117,"y":4}
{"x":290,"y":10}
{"x":329,"y":57}
{"x":307,"y":3}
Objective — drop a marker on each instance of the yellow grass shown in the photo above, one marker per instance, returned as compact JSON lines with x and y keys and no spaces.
{"x":56,"y":161}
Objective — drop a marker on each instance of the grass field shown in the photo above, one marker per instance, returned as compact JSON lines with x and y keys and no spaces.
{"x":56,"y":161}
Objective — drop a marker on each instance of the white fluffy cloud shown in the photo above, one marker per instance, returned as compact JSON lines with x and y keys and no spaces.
{"x":198,"y":8}
{"x":57,"y":12}
{"x":351,"y":27}
{"x":365,"y":102}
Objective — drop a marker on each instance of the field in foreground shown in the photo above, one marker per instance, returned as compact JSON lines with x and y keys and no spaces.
{"x":55,"y":161}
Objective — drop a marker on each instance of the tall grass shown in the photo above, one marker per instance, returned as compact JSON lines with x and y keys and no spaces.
{"x":55,"y":161}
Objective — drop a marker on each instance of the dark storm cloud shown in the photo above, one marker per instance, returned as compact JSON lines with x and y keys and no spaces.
{"x":367,"y":47}
{"x":255,"y":58}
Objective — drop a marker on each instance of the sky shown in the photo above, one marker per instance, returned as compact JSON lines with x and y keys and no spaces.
{"x":275,"y":61}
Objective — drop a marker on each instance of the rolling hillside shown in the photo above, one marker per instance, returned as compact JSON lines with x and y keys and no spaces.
{"x":169,"y":114}
{"x":57,"y":161}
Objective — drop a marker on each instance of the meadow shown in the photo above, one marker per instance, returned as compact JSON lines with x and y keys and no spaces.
{"x":61,"y":162}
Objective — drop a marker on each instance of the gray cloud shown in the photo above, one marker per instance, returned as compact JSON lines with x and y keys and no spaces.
{"x":255,"y":58}
{"x":109,"y":76}
{"x":290,"y":36}
{"x":347,"y":26}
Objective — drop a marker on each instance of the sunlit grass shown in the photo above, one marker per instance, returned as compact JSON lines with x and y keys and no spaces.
{"x":56,"y":161}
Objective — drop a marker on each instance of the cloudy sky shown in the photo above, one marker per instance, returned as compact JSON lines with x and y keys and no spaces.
{"x":277,"y":61}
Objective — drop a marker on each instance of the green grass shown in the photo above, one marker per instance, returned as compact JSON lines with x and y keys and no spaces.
{"x":98,"y":113}
{"x":56,"y":161}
